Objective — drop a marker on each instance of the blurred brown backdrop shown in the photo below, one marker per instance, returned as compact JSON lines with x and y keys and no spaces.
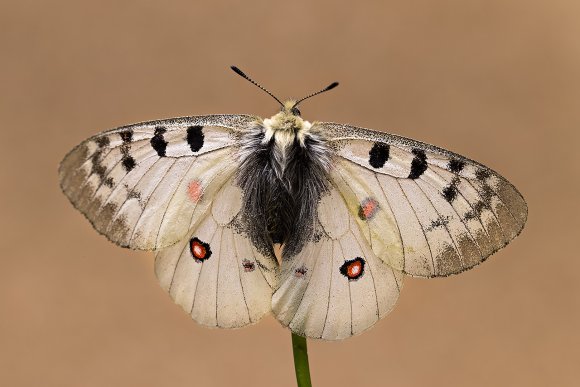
{"x":495,"y":80}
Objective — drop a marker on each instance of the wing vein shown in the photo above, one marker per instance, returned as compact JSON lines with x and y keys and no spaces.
{"x":446,"y":228}
{"x":239,"y":264}
{"x":420,"y":224}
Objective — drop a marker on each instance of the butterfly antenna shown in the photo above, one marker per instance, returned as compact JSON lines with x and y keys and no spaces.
{"x":329,"y":87}
{"x":243,"y":75}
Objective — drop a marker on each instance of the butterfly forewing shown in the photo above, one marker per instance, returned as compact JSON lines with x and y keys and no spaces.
{"x":130,"y":182}
{"x":450,"y":212}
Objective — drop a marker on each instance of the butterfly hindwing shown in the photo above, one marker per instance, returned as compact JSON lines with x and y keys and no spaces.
{"x":450,"y":213}
{"x":335,"y":287}
{"x":215,"y":274}
{"x":130,"y":182}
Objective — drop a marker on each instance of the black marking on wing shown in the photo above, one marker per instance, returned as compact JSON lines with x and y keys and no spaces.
{"x":195,"y":137}
{"x":248,"y":265}
{"x":450,"y":192}
{"x":109,"y":182}
{"x":476,"y":211}
{"x":419,"y":164}
{"x":103,"y":141}
{"x":441,"y":222}
{"x":129,"y":163}
{"x":486,"y":193}
{"x":126,"y":136}
{"x":482,"y":174}
{"x":200,"y":250}
{"x":158,"y":142}
{"x":353,"y":269}
{"x":455,"y":165}
{"x":128,"y":160}
{"x":300,"y":272}
{"x":96,"y":167}
{"x":379,"y":154}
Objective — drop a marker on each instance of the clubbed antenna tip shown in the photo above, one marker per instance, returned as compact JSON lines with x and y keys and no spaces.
{"x":329,"y":87}
{"x":243,"y":75}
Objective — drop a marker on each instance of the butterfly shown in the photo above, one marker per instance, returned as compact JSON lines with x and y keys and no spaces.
{"x":353,"y":209}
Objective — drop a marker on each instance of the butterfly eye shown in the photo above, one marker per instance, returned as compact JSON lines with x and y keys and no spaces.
{"x":295,"y":111}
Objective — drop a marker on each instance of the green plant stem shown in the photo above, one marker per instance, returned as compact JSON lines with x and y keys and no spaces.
{"x":301,"y":366}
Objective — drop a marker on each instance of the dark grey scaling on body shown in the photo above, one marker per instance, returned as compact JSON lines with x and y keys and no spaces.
{"x":127,"y":160}
{"x":158,"y":142}
{"x":379,"y":154}
{"x":281,"y":190}
{"x":195,"y":137}
{"x":419,"y":164}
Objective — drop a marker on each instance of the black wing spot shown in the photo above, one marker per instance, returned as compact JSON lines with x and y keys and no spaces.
{"x":379,"y":154}
{"x":440,"y":222}
{"x":129,"y":163}
{"x":158,"y":142}
{"x":109,"y":182}
{"x":450,"y":193}
{"x":103,"y":141}
{"x":419,"y":164}
{"x":482,"y":174}
{"x":126,"y":136}
{"x":476,"y":211}
{"x":455,"y":165}
{"x":195,"y":137}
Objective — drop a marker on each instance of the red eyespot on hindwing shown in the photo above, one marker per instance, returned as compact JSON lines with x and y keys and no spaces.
{"x":353,"y":269}
{"x":200,"y":251}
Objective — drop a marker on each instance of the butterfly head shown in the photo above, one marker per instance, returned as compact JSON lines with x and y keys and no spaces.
{"x":286,"y":125}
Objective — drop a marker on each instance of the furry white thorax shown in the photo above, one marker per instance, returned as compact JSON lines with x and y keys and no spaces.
{"x":285,"y":126}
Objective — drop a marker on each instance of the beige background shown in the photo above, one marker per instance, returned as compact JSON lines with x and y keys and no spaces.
{"x":495,"y":80}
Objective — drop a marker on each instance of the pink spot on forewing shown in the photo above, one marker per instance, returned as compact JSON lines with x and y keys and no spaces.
{"x":368,"y":209}
{"x":194,"y":191}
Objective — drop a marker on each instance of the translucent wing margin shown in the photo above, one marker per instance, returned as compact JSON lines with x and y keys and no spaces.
{"x":144,"y":186}
{"x":424,"y":210}
{"x":215,"y":274}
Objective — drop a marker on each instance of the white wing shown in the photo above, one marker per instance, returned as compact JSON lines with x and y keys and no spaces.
{"x":336,"y":287}
{"x":215,"y":274}
{"x":423,"y":210}
{"x":145,"y":185}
